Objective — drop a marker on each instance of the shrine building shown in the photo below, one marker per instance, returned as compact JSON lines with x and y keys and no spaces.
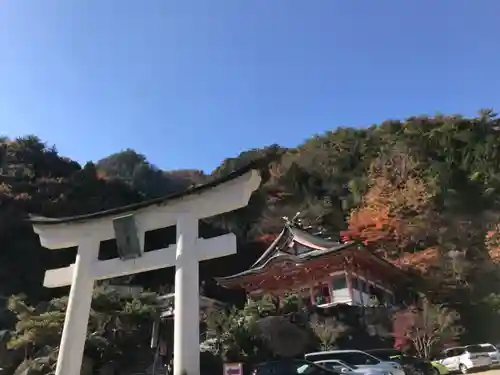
{"x":322,"y":271}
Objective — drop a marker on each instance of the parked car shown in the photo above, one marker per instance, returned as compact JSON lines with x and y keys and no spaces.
{"x":357,"y":358}
{"x":493,"y":353}
{"x":440,"y":369}
{"x":344,"y":368}
{"x":410,"y":364}
{"x":464,"y":358}
{"x":291,"y":367}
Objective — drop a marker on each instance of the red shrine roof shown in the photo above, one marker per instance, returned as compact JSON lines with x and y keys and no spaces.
{"x":281,"y":248}
{"x":294,"y":249}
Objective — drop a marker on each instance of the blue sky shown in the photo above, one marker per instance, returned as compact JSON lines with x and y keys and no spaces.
{"x":191,"y":82}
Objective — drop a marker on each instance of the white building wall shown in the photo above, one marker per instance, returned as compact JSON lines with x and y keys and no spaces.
{"x":364,"y":298}
{"x":359,"y":298}
{"x":341,"y":296}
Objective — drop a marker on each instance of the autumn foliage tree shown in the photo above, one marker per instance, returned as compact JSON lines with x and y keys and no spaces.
{"x":397,"y":208}
{"x":426,"y":328}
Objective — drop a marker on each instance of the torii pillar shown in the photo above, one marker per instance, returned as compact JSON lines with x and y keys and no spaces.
{"x":129,"y":225}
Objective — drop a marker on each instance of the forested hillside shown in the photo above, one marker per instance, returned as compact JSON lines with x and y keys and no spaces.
{"x":424,"y":193}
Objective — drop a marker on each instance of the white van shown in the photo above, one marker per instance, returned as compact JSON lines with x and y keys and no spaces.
{"x":493,"y":353}
{"x":357,"y":358}
{"x":464,"y":358}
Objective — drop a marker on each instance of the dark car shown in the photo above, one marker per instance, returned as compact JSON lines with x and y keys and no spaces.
{"x":411,"y":365}
{"x":291,"y":367}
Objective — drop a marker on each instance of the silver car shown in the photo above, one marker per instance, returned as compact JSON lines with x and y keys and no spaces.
{"x":344,"y":368}
{"x":493,"y":353}
{"x":357,"y":358}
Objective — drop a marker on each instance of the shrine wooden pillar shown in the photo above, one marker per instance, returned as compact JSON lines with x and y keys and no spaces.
{"x":348,"y":263}
{"x":366,"y":286}
{"x":249,"y":292}
{"x":316,"y":283}
{"x":361,"y":286}
{"x":311,"y":294}
{"x":331,"y":292}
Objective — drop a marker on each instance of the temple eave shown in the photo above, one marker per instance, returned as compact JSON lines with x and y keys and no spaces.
{"x":291,"y":274}
{"x":295,"y":272}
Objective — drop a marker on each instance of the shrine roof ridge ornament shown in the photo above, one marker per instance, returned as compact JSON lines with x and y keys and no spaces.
{"x":319,"y":247}
{"x":256,"y":165}
{"x":300,"y":236}
{"x":274,"y":254}
{"x":282,"y":256}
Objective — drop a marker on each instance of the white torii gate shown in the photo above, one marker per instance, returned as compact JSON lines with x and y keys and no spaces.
{"x":88,"y":231}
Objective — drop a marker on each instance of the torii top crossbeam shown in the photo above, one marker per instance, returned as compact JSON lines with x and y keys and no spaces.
{"x":210,"y":199}
{"x":129,"y":225}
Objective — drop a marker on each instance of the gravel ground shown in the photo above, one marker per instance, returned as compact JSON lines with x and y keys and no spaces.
{"x":495,"y":371}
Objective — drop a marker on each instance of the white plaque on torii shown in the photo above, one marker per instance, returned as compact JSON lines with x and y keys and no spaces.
{"x":182,"y":210}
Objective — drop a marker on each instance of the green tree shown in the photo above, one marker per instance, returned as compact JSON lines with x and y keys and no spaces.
{"x":235,"y":336}
{"x":327,"y":332}
{"x":118,"y":325}
{"x":134,"y":169}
